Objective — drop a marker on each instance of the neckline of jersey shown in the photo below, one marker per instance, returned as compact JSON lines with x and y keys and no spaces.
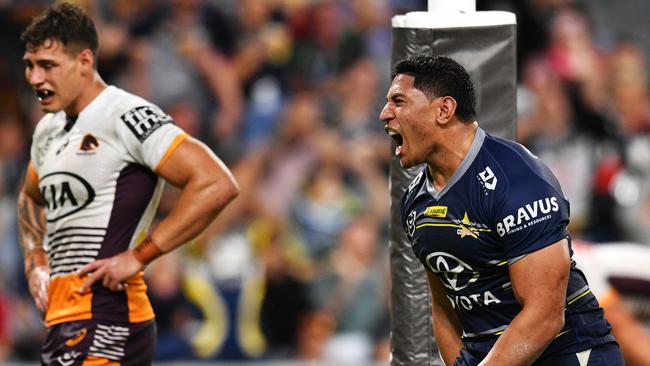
{"x":98,"y":102}
{"x":462,"y":168}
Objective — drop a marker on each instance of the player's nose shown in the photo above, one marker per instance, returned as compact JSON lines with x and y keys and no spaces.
{"x":387,"y":113}
{"x":34,"y":76}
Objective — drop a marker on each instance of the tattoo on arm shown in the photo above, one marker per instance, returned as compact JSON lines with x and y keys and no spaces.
{"x":31,"y":225}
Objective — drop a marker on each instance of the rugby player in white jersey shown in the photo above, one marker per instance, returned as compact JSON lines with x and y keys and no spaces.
{"x":99,"y":159}
{"x":619,"y":276}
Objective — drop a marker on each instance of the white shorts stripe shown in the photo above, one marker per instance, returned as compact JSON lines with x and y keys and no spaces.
{"x":583,"y":357}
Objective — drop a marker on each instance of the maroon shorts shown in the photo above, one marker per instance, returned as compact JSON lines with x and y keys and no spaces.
{"x":98,"y":342}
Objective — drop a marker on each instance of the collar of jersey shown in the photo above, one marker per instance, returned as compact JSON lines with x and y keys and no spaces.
{"x":98,"y":105}
{"x":464,"y":165}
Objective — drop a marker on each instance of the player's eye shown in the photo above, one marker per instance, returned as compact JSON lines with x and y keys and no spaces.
{"x":46,"y":65}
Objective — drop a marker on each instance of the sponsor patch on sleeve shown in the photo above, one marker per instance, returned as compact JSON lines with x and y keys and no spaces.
{"x":528,"y":215}
{"x":145,"y":120}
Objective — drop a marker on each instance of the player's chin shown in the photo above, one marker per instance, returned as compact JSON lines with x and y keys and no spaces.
{"x":405,"y":163}
{"x":51,"y":107}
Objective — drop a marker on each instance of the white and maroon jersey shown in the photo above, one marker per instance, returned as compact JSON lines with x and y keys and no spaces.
{"x":618,"y":269}
{"x":97,"y":176}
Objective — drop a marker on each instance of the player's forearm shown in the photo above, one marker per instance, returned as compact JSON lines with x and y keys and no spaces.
{"x":224,"y":85}
{"x":629,"y":332}
{"x":527,"y":336}
{"x":446,"y":325}
{"x":200,"y":202}
{"x":31,"y":230}
{"x":447,"y":338}
{"x":634,"y":341}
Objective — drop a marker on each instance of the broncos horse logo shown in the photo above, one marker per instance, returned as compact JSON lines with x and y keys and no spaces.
{"x":89,"y":143}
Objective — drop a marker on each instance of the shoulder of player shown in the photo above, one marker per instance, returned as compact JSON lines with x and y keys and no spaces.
{"x":49,"y":123}
{"x":414,"y":187}
{"x":130,"y":110}
{"x":123,"y":102}
{"x":519,"y":176}
{"x":417,"y":181}
{"x":514,"y":163}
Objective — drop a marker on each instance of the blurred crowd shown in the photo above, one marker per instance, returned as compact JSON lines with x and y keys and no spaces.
{"x":288,"y":93}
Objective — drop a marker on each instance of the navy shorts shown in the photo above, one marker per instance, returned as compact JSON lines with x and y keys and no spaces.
{"x":608,"y":354}
{"x":97,"y":342}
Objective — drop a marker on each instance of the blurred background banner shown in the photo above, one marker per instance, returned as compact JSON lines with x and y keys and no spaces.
{"x":484,"y":43}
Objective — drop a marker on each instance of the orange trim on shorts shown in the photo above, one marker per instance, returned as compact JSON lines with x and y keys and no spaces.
{"x":140,"y":309}
{"x":607,"y":299}
{"x":78,"y":338}
{"x":99,"y":361}
{"x":177,"y":141}
{"x":65,"y":302}
{"x":32,"y":172}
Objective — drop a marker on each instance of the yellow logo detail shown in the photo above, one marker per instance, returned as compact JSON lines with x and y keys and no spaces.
{"x":466,"y":220}
{"x":436,"y":211}
{"x":77,"y":338}
{"x":465,"y":230}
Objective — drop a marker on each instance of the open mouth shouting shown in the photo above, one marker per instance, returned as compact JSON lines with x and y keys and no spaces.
{"x":397,"y":137}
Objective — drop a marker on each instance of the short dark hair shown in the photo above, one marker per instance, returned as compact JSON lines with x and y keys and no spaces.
{"x":64,"y":22}
{"x":440,"y":76}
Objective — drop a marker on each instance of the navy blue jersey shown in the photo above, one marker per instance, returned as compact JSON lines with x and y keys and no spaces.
{"x":500,"y":205}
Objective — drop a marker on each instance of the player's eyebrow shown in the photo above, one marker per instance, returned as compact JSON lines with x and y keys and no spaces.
{"x":41,"y":62}
{"x":394,"y":97}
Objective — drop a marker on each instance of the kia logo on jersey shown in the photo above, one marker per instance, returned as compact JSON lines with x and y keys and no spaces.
{"x":64,"y":194}
{"x":454,"y":273}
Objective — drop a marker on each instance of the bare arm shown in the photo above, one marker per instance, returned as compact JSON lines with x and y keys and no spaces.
{"x":445,"y":323}
{"x":539,"y":281}
{"x":207,"y":186}
{"x":31,"y":230}
{"x":225,"y":85}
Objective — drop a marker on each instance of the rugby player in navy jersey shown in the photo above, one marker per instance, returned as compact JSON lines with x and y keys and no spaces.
{"x":488,"y":220}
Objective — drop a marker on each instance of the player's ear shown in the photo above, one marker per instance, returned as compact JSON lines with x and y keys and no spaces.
{"x":87,"y":60}
{"x":447,"y":109}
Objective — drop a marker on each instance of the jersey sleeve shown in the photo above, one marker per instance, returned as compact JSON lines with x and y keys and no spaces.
{"x":149,"y":135}
{"x":403,"y":213}
{"x":41,"y":141}
{"x":408,"y":218}
{"x":33,"y":157}
{"x":532,"y":216}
